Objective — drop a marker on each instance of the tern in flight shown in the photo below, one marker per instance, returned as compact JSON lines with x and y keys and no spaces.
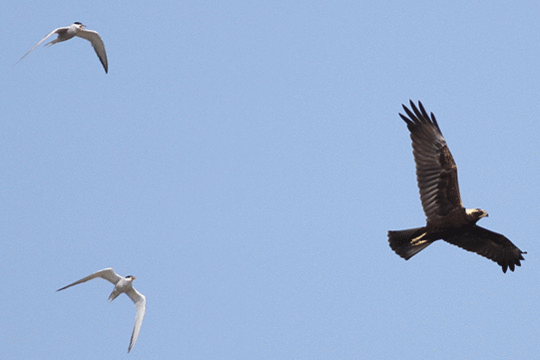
{"x":77,"y":29}
{"x":122,"y":285}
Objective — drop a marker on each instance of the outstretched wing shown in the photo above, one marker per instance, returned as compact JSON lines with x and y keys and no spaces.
{"x":107,"y":274}
{"x":436,"y":171}
{"x":489,"y":244}
{"x":97,"y":44}
{"x":40,"y":41}
{"x":140,"y":303}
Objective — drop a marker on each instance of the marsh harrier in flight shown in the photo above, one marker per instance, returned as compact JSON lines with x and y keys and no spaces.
{"x":447,"y":219}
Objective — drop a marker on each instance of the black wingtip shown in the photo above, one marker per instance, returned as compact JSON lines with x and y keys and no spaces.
{"x":512,"y":266}
{"x":418,"y":114}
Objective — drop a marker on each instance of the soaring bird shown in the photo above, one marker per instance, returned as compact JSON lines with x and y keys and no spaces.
{"x":122,"y":285}
{"x":447,"y":219}
{"x":77,"y":29}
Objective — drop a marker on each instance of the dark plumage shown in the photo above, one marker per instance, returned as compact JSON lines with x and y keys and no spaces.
{"x":447,"y":219}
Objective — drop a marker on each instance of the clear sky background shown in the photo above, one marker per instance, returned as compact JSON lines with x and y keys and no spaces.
{"x":245,"y":161}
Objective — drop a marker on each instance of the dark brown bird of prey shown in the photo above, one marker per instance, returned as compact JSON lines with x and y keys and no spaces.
{"x":447,"y":219}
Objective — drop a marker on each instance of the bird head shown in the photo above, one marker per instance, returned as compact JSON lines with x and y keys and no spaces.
{"x":475,"y":214}
{"x":131,"y":277}
{"x":81,"y":26}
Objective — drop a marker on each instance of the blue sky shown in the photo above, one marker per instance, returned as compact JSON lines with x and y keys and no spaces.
{"x":245,"y":161}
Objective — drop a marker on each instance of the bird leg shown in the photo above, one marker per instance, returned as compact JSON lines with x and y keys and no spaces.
{"x":419,"y":240}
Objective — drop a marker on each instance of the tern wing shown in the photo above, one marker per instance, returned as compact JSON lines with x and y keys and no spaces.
{"x":40,"y":41}
{"x":97,"y":44}
{"x":107,"y":274}
{"x":140,"y":303}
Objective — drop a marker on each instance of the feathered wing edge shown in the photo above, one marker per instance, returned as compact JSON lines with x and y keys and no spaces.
{"x":436,"y":171}
{"x":97,"y":44}
{"x":491,"y":245}
{"x":140,"y":303}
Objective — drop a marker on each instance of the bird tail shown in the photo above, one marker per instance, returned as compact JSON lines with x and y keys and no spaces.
{"x":407,"y":243}
{"x":114,"y":294}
